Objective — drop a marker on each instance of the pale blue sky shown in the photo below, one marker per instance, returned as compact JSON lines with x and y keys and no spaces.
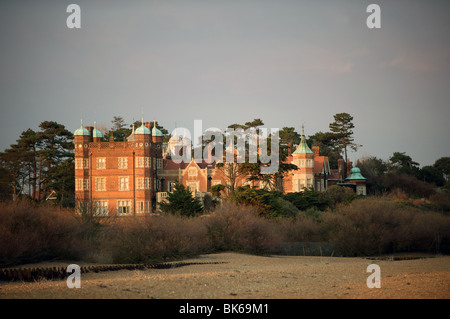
{"x":227,"y":62}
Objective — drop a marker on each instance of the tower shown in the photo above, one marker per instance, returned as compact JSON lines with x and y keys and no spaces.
{"x":157,"y":154}
{"x":303,"y":158}
{"x":82,"y":138}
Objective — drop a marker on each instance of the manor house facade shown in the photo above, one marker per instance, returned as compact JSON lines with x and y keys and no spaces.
{"x":130,"y":177}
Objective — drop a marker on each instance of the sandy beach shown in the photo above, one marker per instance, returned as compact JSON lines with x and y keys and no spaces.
{"x":241,"y":276}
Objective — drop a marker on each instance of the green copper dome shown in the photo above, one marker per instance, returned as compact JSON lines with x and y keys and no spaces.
{"x":142,"y":130}
{"x":81,"y":131}
{"x":156,"y":131}
{"x":355,"y":174}
{"x":95,"y":132}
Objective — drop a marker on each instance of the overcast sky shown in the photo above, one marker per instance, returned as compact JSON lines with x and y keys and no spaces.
{"x":230,"y":61}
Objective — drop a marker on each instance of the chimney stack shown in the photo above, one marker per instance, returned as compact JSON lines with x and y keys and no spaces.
{"x":316,"y":150}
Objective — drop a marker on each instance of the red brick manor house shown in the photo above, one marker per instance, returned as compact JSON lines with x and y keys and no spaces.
{"x":130,"y":177}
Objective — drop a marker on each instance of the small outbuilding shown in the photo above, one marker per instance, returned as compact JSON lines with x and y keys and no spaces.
{"x":358,"y":180}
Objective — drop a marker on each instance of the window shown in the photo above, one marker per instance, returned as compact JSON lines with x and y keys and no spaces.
{"x":159,"y":163}
{"x":360,"y":190}
{"x":101,"y":163}
{"x":101,"y":208}
{"x":143,"y":206}
{"x":308,"y":182}
{"x":123,"y":207}
{"x":143,"y":162}
{"x":81,"y":163}
{"x":143,"y":182}
{"x":139,"y":182}
{"x":192,"y":172}
{"x":171,"y":186}
{"x":82,"y":184}
{"x":123,"y":184}
{"x":100,"y":184}
{"x":192,"y":186}
{"x":123,"y":162}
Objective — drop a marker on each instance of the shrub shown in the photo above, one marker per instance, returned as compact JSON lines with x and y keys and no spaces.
{"x":307,"y":199}
{"x":378,"y":226}
{"x":339,"y":195}
{"x":409,"y":184}
{"x":209,"y":203}
{"x":32,"y":233}
{"x":239,"y":228}
{"x":441,"y":201}
{"x":285,"y":208}
{"x":150,"y":239}
{"x":300,"y":229}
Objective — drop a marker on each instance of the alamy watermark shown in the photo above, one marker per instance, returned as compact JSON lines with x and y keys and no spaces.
{"x":374,"y":280}
{"x":373,"y":21}
{"x":239,"y":146}
{"x":74,"y":279}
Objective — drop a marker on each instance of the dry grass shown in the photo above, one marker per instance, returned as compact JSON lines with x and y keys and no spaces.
{"x":371,"y":226}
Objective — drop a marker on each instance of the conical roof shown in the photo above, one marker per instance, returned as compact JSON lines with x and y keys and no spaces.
{"x":303,"y":148}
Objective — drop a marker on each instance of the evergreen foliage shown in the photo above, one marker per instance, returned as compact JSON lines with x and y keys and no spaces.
{"x":181,"y":202}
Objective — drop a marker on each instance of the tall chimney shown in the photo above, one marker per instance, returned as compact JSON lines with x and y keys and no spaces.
{"x":316,"y":150}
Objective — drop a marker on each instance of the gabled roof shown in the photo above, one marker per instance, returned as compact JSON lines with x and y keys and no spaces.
{"x":321,"y":164}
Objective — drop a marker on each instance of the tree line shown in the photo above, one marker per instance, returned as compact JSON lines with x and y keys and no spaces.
{"x":40,"y":165}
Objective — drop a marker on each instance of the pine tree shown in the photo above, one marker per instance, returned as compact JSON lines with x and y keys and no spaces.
{"x":181,"y":202}
{"x":342,"y":126}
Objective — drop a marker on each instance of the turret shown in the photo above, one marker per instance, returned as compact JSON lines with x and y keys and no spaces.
{"x":142,"y":133}
{"x":303,"y":158}
{"x":157,"y":135}
{"x":96,"y":134}
{"x":82,"y":137}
